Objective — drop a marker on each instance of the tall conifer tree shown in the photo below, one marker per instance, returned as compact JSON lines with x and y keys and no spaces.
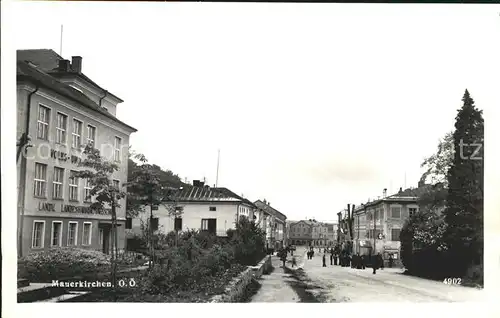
{"x":464,"y":212}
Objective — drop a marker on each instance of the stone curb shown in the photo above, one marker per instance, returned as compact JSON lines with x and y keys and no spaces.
{"x":236,"y":288}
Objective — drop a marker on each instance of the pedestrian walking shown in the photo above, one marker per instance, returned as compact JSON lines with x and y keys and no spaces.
{"x":335,"y":259}
{"x":391,"y":260}
{"x":380,"y":261}
{"x":363,"y":261}
{"x":324,"y":260}
{"x":374,"y":262}
{"x":331,"y":259}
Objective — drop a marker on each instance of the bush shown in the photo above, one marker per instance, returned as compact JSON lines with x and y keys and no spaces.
{"x":248,"y":242}
{"x":61,"y":263}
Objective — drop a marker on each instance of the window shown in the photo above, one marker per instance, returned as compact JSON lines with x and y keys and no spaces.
{"x":38,"y":234}
{"x":73,"y":186}
{"x":40,"y":179}
{"x":86,"y":191}
{"x":87,"y":233}
{"x":154,"y":224}
{"x":412,"y":211}
{"x":209,"y":225}
{"x":56,"y":236}
{"x":77,"y":134}
{"x":72,"y":233}
{"x":128,"y":223}
{"x":90,"y":135}
{"x":43,"y":122}
{"x":61,"y":127}
{"x":178,"y":224}
{"x":395,"y":233}
{"x":118,"y":147}
{"x":213,"y":208}
{"x":57,"y":183}
{"x":396,"y":212}
{"x":116,"y":184}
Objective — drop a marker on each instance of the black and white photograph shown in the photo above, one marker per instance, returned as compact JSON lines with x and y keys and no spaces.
{"x":172,"y":152}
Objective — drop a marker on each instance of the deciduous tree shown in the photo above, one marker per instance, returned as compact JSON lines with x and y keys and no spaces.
{"x":103,"y":193}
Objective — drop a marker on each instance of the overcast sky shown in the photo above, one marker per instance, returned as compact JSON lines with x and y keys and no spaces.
{"x":312,"y":106}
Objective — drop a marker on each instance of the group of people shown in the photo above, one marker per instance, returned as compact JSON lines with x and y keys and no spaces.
{"x":344,"y":259}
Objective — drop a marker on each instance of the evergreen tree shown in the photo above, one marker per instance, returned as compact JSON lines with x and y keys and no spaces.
{"x":464,"y":211}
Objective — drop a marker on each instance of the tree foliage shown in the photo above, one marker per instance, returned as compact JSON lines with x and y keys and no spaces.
{"x":103,"y":192}
{"x":249,"y":241}
{"x":147,"y":188}
{"x":448,"y":243}
{"x":436,"y":166}
{"x":464,"y":211}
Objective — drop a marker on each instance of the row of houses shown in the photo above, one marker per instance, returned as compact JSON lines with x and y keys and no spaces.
{"x":377,"y":224}
{"x":59,"y":110}
{"x":212,"y":209}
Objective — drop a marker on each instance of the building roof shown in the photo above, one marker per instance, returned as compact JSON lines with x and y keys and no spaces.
{"x":27,"y":72}
{"x":208,"y":194}
{"x":48,"y":61}
{"x":270,"y":210}
{"x":408,"y":195}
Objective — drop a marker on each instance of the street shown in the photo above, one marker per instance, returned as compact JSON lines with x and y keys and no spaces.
{"x":314,"y":283}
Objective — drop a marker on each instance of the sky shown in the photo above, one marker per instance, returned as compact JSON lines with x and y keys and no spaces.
{"x":313,"y":106}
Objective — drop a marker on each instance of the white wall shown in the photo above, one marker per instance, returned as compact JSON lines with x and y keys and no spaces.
{"x":192,"y":215}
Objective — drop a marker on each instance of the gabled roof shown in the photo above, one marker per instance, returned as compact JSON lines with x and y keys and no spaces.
{"x":270,"y":210}
{"x":35,"y":75}
{"x":208,"y":194}
{"x":48,"y":61}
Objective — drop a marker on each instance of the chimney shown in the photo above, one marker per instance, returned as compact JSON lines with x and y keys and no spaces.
{"x":385,"y":193}
{"x":76,"y":64}
{"x":64,"y":65}
{"x":198,"y":183}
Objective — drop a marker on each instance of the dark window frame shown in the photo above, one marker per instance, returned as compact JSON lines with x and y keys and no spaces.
{"x":177,"y":226}
{"x":128,"y":223}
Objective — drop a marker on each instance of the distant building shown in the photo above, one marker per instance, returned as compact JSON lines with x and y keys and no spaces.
{"x":301,"y":232}
{"x":273,"y":222}
{"x":323,"y":234}
{"x":61,"y":110}
{"x":200,"y":207}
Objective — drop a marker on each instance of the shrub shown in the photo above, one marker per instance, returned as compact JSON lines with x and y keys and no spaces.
{"x":61,"y":263}
{"x":248,"y":242}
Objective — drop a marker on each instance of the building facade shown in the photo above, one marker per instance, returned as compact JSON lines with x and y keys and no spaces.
{"x":377,"y":225}
{"x":199,"y":207}
{"x":273,"y":223}
{"x":60,"y":110}
{"x":301,"y":232}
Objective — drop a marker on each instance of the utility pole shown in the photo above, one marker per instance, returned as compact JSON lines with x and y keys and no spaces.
{"x":61,"y":41}
{"x":217,"y":175}
{"x":374,"y":229}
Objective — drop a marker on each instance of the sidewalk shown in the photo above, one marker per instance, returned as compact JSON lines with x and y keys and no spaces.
{"x":275,"y":287}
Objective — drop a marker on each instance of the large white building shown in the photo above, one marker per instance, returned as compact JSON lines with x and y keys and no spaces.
{"x":59,"y":110}
{"x":215,"y":210}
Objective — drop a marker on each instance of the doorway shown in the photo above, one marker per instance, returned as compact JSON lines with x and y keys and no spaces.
{"x":104,"y":236}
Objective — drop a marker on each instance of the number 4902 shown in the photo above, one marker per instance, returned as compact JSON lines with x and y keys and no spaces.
{"x":453,"y":281}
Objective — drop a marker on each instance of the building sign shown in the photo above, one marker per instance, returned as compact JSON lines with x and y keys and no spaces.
{"x":62,"y":156}
{"x":66,"y":208}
